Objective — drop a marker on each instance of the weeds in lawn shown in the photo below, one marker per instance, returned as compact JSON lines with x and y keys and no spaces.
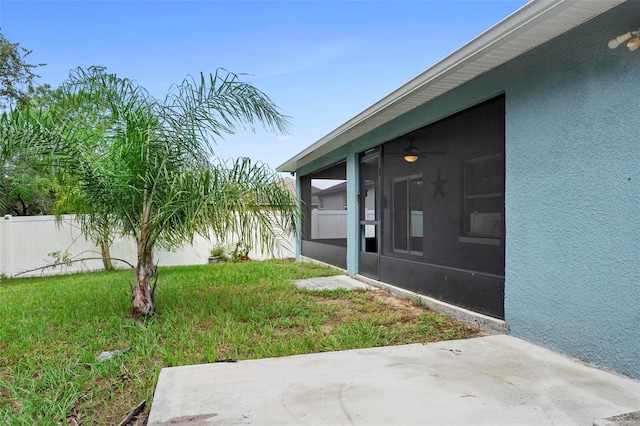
{"x":53,"y":328}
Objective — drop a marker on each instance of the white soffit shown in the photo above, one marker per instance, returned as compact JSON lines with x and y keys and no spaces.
{"x":530,"y":26}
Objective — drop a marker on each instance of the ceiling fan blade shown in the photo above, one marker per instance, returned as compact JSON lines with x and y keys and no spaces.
{"x":419,"y":153}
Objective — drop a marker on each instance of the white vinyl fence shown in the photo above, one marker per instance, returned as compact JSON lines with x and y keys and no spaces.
{"x":328,"y":224}
{"x":30,"y":242}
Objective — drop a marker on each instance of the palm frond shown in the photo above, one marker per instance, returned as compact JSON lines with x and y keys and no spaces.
{"x":142,"y":165}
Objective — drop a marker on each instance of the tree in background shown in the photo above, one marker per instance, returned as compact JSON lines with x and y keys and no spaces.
{"x":146,"y":163}
{"x":27,"y":185}
{"x":16,"y":75}
{"x":26,"y":189}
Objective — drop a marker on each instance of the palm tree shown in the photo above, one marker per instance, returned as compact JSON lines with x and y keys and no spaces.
{"x":145,"y":167}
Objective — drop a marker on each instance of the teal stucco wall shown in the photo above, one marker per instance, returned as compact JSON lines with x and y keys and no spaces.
{"x":572,"y":197}
{"x":573,"y":194}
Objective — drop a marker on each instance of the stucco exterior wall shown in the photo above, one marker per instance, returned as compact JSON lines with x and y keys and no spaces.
{"x":572,"y":271}
{"x":573,"y":194}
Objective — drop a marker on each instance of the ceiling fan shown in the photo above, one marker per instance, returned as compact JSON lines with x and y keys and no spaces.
{"x":411,"y":153}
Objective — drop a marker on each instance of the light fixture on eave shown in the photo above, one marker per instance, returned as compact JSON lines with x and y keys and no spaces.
{"x":411,"y":153}
{"x":632,"y":36}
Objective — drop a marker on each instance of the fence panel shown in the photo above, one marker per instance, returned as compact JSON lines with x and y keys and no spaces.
{"x":30,"y":242}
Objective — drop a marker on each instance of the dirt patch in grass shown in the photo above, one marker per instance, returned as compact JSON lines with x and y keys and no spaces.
{"x":5,"y":398}
{"x":108,"y":400}
{"x":396,"y":303}
{"x":382,"y":308}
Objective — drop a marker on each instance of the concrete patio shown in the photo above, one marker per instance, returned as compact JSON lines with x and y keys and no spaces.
{"x":495,"y":380}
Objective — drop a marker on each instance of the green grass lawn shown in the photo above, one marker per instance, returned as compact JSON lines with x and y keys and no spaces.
{"x":53,"y":328}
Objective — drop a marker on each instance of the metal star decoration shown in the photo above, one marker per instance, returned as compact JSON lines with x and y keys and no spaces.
{"x":439,"y":186}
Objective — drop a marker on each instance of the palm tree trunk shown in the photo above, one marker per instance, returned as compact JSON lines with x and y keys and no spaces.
{"x":106,"y":255}
{"x":143,"y":303}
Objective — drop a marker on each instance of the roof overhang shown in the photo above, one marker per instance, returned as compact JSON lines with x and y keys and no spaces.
{"x":532,"y":25}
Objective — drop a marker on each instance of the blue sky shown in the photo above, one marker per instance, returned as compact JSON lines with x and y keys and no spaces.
{"x":321,"y":62}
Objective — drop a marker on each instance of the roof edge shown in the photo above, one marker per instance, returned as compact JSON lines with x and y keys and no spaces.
{"x":507,"y":26}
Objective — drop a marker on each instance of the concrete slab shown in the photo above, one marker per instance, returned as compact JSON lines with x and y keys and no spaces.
{"x":494,"y":380}
{"x":332,"y":283}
